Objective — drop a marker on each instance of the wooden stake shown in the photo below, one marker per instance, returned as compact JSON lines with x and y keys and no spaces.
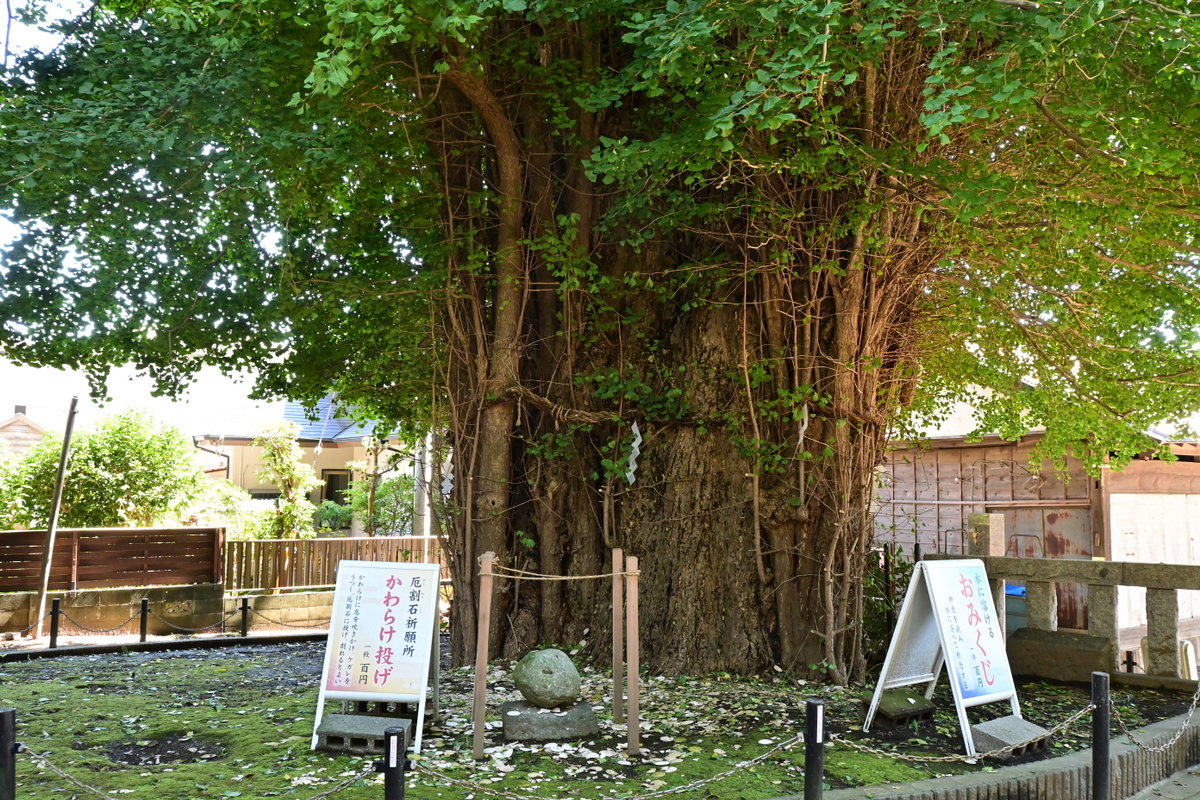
{"x":631,"y":619}
{"x":618,"y":634}
{"x":481,"y":651}
{"x":55,"y":508}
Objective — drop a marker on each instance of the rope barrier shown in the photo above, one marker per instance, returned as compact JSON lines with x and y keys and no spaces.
{"x":81,"y":626}
{"x":999,"y":751}
{"x":1170,"y":742}
{"x":492,"y":792}
{"x":520,"y":574}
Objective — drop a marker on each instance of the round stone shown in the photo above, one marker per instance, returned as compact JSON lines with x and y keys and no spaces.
{"x":547,"y":678}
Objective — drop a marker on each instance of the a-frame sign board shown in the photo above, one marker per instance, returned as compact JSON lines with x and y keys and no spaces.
{"x":381,"y":636}
{"x":948,"y":619}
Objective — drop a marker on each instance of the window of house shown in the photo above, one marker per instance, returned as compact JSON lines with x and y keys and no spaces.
{"x":337,"y":484}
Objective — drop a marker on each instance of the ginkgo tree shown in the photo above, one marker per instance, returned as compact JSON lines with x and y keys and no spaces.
{"x":760,"y":231}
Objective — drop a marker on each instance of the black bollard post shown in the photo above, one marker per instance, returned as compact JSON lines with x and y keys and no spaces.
{"x":814,"y":749}
{"x":55,"y":610}
{"x":1129,"y":663}
{"x":394,"y":763}
{"x":145,"y":617}
{"x":8,"y":754}
{"x":245,"y":617}
{"x":1101,"y":778}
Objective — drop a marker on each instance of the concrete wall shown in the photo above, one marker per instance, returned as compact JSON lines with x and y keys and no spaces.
{"x":183,"y":607}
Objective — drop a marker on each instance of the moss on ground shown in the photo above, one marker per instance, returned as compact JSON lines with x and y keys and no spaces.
{"x":245,"y":716}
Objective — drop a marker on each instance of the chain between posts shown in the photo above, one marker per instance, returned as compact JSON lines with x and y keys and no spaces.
{"x":491,"y":791}
{"x":1167,"y":744}
{"x":217,"y":624}
{"x":32,"y":625}
{"x":302,"y":626}
{"x":83,"y":627}
{"x":965,"y":759}
{"x":43,"y":761}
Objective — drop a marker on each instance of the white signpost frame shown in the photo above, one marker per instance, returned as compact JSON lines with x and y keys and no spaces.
{"x":948,"y":618}
{"x":381,"y":634}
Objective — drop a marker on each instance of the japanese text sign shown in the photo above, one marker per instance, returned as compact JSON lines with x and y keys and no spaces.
{"x":381,"y":632}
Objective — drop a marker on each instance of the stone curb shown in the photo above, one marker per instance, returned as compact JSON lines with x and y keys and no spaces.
{"x":1063,"y":778}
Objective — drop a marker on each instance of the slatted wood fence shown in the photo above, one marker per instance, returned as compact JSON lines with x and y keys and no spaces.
{"x":301,"y":563}
{"x":93,"y":558}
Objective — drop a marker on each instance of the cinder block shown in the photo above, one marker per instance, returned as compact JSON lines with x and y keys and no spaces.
{"x":1006,"y":732}
{"x":358,"y":734}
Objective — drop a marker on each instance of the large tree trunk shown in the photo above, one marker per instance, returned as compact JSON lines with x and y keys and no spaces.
{"x":763,"y":389}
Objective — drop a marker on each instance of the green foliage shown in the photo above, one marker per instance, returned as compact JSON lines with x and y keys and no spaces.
{"x":129,"y":470}
{"x":333,"y":516}
{"x":284,"y":467}
{"x":390,"y":513}
{"x":1049,"y":147}
{"x":877,"y":608}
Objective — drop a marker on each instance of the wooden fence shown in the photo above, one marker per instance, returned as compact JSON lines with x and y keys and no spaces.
{"x":93,"y":558}
{"x":302,"y":563}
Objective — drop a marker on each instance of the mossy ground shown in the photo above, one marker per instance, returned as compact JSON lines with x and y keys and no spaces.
{"x":248,"y":712}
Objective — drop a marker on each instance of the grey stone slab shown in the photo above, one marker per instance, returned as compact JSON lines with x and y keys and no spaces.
{"x":525,"y":722}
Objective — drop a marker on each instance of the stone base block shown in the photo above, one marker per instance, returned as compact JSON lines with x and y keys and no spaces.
{"x":1059,"y":656}
{"x":525,"y":722}
{"x":358,"y":734}
{"x":1007,"y":731}
{"x":899,"y":707}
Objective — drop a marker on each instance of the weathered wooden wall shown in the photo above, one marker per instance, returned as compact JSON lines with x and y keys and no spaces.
{"x":103,"y":557}
{"x":927,"y":493}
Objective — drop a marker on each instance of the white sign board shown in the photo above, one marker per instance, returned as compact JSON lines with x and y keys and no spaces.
{"x":948,"y":618}
{"x":381,"y":635}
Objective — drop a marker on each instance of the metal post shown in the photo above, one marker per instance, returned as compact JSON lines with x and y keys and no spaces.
{"x":8,"y":754}
{"x":245,"y":617}
{"x":814,"y":749}
{"x":55,"y":610}
{"x":1129,"y":663}
{"x":145,"y":617}
{"x":1101,"y":777}
{"x":394,"y":763}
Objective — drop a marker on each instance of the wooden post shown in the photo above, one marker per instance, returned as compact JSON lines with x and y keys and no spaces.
{"x":631,"y":620}
{"x":74,"y":559}
{"x":618,"y":634}
{"x":481,"y":651}
{"x":219,"y":556}
{"x":55,"y":508}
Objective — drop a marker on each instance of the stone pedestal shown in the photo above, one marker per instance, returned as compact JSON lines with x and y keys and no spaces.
{"x":525,"y":722}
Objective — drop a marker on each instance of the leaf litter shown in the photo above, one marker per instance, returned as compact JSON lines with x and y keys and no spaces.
{"x":237,"y":722}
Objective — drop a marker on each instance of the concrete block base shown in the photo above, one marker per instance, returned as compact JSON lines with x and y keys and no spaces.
{"x":1006,"y":732}
{"x":358,"y":734}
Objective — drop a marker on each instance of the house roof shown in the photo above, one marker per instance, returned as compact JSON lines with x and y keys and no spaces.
{"x":326,"y":425}
{"x":21,"y":419}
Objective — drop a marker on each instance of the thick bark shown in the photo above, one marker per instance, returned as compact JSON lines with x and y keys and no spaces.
{"x":750,"y":509}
